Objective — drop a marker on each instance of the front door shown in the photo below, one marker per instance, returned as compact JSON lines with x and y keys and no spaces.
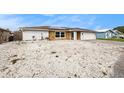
{"x":78,"y":36}
{"x":72,"y":35}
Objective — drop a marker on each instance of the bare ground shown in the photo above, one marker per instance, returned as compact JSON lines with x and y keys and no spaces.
{"x":63,"y":59}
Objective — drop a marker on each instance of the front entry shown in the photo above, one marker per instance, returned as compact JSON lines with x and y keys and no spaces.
{"x":73,"y":35}
{"x":78,"y":36}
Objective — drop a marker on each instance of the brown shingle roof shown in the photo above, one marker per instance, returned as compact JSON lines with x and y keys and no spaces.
{"x":48,"y":28}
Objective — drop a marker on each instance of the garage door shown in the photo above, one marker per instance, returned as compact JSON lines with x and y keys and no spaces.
{"x":88,"y":36}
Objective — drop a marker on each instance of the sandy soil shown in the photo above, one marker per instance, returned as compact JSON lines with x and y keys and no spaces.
{"x":64,"y":59}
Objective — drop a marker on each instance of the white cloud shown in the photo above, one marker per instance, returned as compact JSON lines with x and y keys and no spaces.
{"x":101,"y":29}
{"x":14,"y":21}
{"x":71,"y":20}
{"x":11,"y":21}
{"x":54,"y":21}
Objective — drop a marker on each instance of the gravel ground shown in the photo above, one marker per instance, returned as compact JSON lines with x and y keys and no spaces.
{"x":61,"y":59}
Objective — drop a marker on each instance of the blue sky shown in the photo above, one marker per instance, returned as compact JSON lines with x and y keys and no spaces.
{"x":88,"y":21}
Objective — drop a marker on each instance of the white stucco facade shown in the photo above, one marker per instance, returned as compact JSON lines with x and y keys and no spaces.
{"x":75,"y":35}
{"x":88,"y":36}
{"x":38,"y":35}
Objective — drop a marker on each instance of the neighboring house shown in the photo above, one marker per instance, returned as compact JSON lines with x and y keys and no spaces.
{"x":4,"y":35}
{"x":56,"y":33}
{"x":108,"y":34}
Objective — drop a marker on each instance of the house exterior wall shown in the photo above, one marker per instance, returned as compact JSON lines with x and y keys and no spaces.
{"x":100,"y":35}
{"x":51,"y":35}
{"x":77,"y":36}
{"x":38,"y":35}
{"x":68,"y":35}
{"x":28,"y":35}
{"x":107,"y":34}
{"x":87,"y":36}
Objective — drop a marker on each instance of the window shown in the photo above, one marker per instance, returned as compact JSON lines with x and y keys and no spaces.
{"x":57,"y":34}
{"x":60,"y":34}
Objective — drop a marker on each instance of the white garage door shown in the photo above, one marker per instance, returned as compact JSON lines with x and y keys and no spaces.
{"x":88,"y":36}
{"x":28,"y":35}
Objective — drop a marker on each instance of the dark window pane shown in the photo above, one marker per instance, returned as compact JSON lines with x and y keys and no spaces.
{"x":62,"y":34}
{"x":57,"y":34}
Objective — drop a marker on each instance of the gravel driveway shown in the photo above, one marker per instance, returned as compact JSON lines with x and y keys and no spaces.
{"x":62,"y":59}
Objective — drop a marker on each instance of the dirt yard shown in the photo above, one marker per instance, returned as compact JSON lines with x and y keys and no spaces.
{"x":61,"y":59}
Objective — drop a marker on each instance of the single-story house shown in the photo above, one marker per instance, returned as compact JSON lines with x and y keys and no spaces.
{"x":4,"y":35}
{"x":56,"y":33}
{"x":108,"y":34}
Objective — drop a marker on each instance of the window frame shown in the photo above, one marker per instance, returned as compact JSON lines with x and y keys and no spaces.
{"x":61,"y":34}
{"x":57,"y":35}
